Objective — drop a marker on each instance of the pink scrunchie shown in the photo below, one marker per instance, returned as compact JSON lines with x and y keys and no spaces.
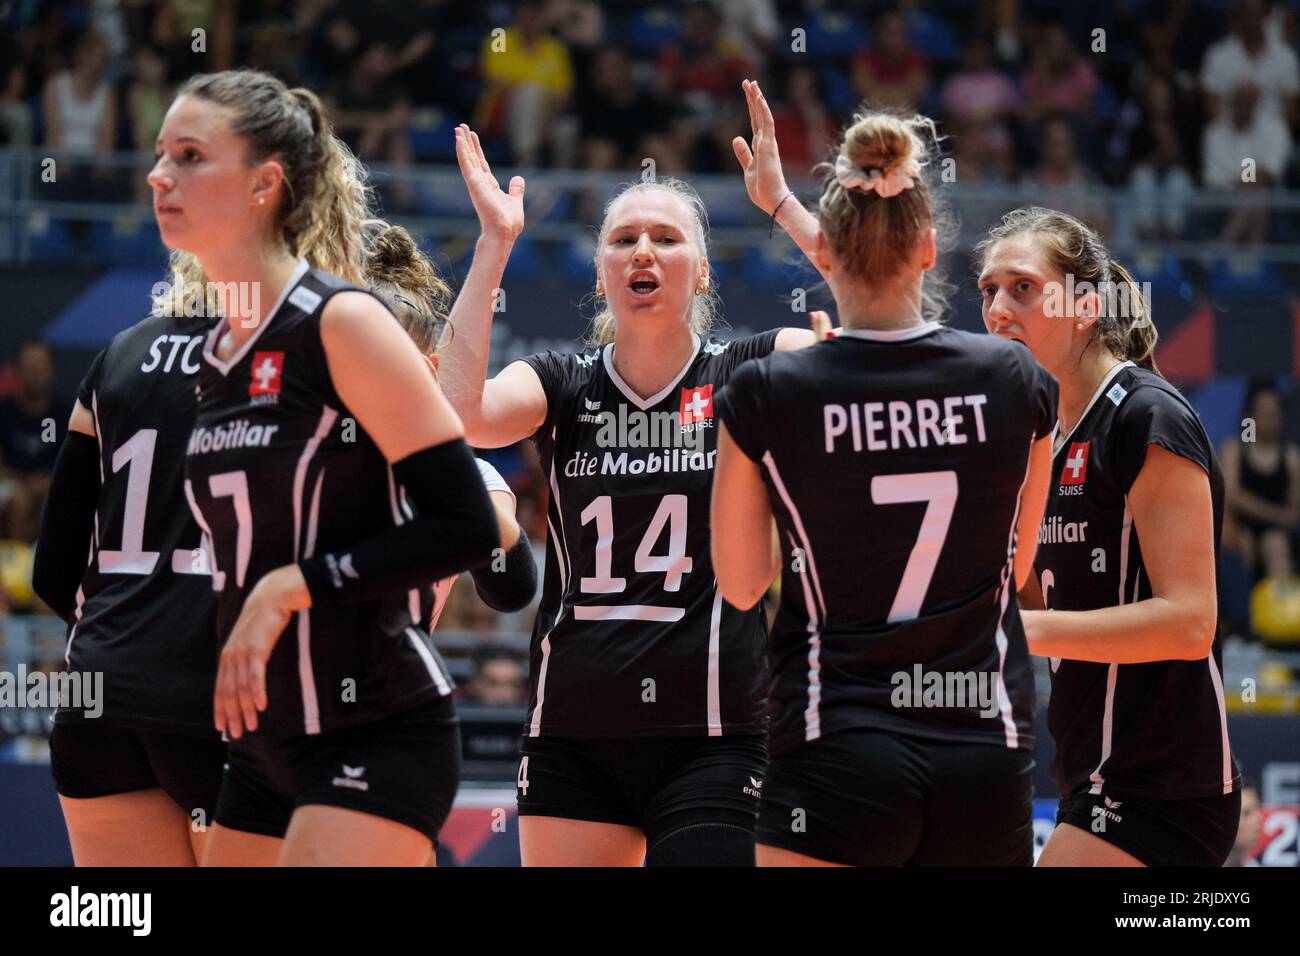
{"x":885,"y":185}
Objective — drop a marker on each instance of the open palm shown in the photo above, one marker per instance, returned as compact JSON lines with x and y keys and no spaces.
{"x":764,"y":179}
{"x":500,"y":213}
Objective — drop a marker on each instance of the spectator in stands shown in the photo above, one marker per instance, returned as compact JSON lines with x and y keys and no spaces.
{"x":981,"y":154}
{"x":1058,"y":82}
{"x":805,"y":129}
{"x":1245,"y":148}
{"x":751,"y":27}
{"x":370,"y":110}
{"x":529,"y":80}
{"x":32,"y":421}
{"x":1061,"y":177}
{"x":580,"y":26}
{"x":498,"y":680}
{"x":147,"y":99}
{"x":891,"y":73}
{"x":1255,"y":56}
{"x":1157,"y":154}
{"x":1261,"y":476}
{"x":80,"y":109}
{"x":979,"y":93}
{"x":616,"y":113}
{"x":204,"y":28}
{"x":465,"y":611}
{"x":1248,"y":831}
{"x":703,"y":71}
{"x":16,"y":126}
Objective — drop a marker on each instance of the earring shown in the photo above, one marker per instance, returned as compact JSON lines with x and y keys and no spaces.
{"x":1079,"y":326}
{"x":261,"y":200}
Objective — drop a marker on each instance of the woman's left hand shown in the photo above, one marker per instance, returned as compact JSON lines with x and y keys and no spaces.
{"x":241,"y":676}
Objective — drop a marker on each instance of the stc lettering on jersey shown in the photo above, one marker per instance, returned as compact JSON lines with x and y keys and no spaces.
{"x":697,"y":404}
{"x":267,"y":368}
{"x":1075,"y":471}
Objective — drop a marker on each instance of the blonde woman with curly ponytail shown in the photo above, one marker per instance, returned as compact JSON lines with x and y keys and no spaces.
{"x":904,"y":467}
{"x":316,"y":413}
{"x":1126,"y":562}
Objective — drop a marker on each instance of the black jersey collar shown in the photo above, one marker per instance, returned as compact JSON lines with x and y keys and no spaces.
{"x":1057,"y":445}
{"x":890,"y":335}
{"x":210,"y":346}
{"x":607,"y":354}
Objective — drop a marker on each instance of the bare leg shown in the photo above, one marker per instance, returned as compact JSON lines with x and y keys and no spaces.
{"x":555,"y":841}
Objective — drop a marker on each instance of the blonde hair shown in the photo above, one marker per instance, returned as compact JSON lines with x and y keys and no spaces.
{"x":325,"y":200}
{"x":872,"y":235}
{"x":1075,"y":249}
{"x":406,"y":281}
{"x":706,"y":306}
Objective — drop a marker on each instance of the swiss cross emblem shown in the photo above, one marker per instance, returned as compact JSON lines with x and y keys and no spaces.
{"x":1076,"y":464}
{"x":267,"y":367}
{"x":697,"y":404}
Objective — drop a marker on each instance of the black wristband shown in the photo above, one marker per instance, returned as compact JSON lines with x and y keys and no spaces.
{"x":775,"y":211}
{"x":454,"y":529}
{"x":67,"y":523}
{"x":510,"y":588}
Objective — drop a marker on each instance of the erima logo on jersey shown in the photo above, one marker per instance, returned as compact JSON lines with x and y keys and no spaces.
{"x":755,"y":788}
{"x":351,"y":778}
{"x":591,"y":406}
{"x":238,"y":434}
{"x":341,"y":568}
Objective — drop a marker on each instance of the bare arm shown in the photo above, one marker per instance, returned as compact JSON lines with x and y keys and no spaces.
{"x":1173,"y":516}
{"x":513,"y":404}
{"x":1033,"y":502}
{"x":764,"y":178}
{"x":744,"y":559}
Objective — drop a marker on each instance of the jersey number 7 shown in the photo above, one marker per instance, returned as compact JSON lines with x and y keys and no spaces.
{"x":938,"y":489}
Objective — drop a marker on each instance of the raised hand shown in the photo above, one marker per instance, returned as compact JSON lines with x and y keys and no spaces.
{"x":500,"y":213}
{"x":764,"y":179}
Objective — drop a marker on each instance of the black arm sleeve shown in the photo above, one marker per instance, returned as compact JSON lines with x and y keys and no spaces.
{"x":67,"y":523}
{"x":455,"y":528}
{"x":511,"y":588}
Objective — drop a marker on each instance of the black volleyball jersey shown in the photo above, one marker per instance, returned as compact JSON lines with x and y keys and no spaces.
{"x":632,"y":637}
{"x":1157,"y":730}
{"x":278,"y":469}
{"x":144,"y":611}
{"x":894,"y":463}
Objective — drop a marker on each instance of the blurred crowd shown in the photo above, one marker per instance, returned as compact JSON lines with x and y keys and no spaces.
{"x":1158,"y":95}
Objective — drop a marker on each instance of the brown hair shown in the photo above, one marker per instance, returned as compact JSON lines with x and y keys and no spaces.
{"x":706,"y":305}
{"x":1124,"y":323}
{"x":406,"y":281}
{"x":326,"y":198}
{"x":873,"y":236}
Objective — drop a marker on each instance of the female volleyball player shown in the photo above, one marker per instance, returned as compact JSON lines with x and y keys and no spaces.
{"x":645,"y":731}
{"x":138,"y":783}
{"x":317,"y":419}
{"x":906,"y":466}
{"x":404,"y":279}
{"x":1126,"y":561}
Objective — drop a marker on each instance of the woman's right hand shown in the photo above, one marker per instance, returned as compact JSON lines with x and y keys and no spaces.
{"x":764,"y":178}
{"x":500,"y":213}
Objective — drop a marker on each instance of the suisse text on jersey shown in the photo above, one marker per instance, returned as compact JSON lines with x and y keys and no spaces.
{"x":891,"y":425}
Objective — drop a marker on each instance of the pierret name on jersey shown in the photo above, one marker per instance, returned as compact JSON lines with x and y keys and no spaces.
{"x":889,"y":426}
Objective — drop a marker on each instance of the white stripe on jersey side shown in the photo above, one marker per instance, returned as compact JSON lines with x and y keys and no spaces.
{"x":561,"y":557}
{"x":413,"y":595}
{"x":1004,"y":598}
{"x":713,"y":693}
{"x":1223,"y":722}
{"x":1112,"y":671}
{"x":306,"y":676}
{"x":627,"y":612}
{"x":444,"y":688}
{"x":812,"y":719}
